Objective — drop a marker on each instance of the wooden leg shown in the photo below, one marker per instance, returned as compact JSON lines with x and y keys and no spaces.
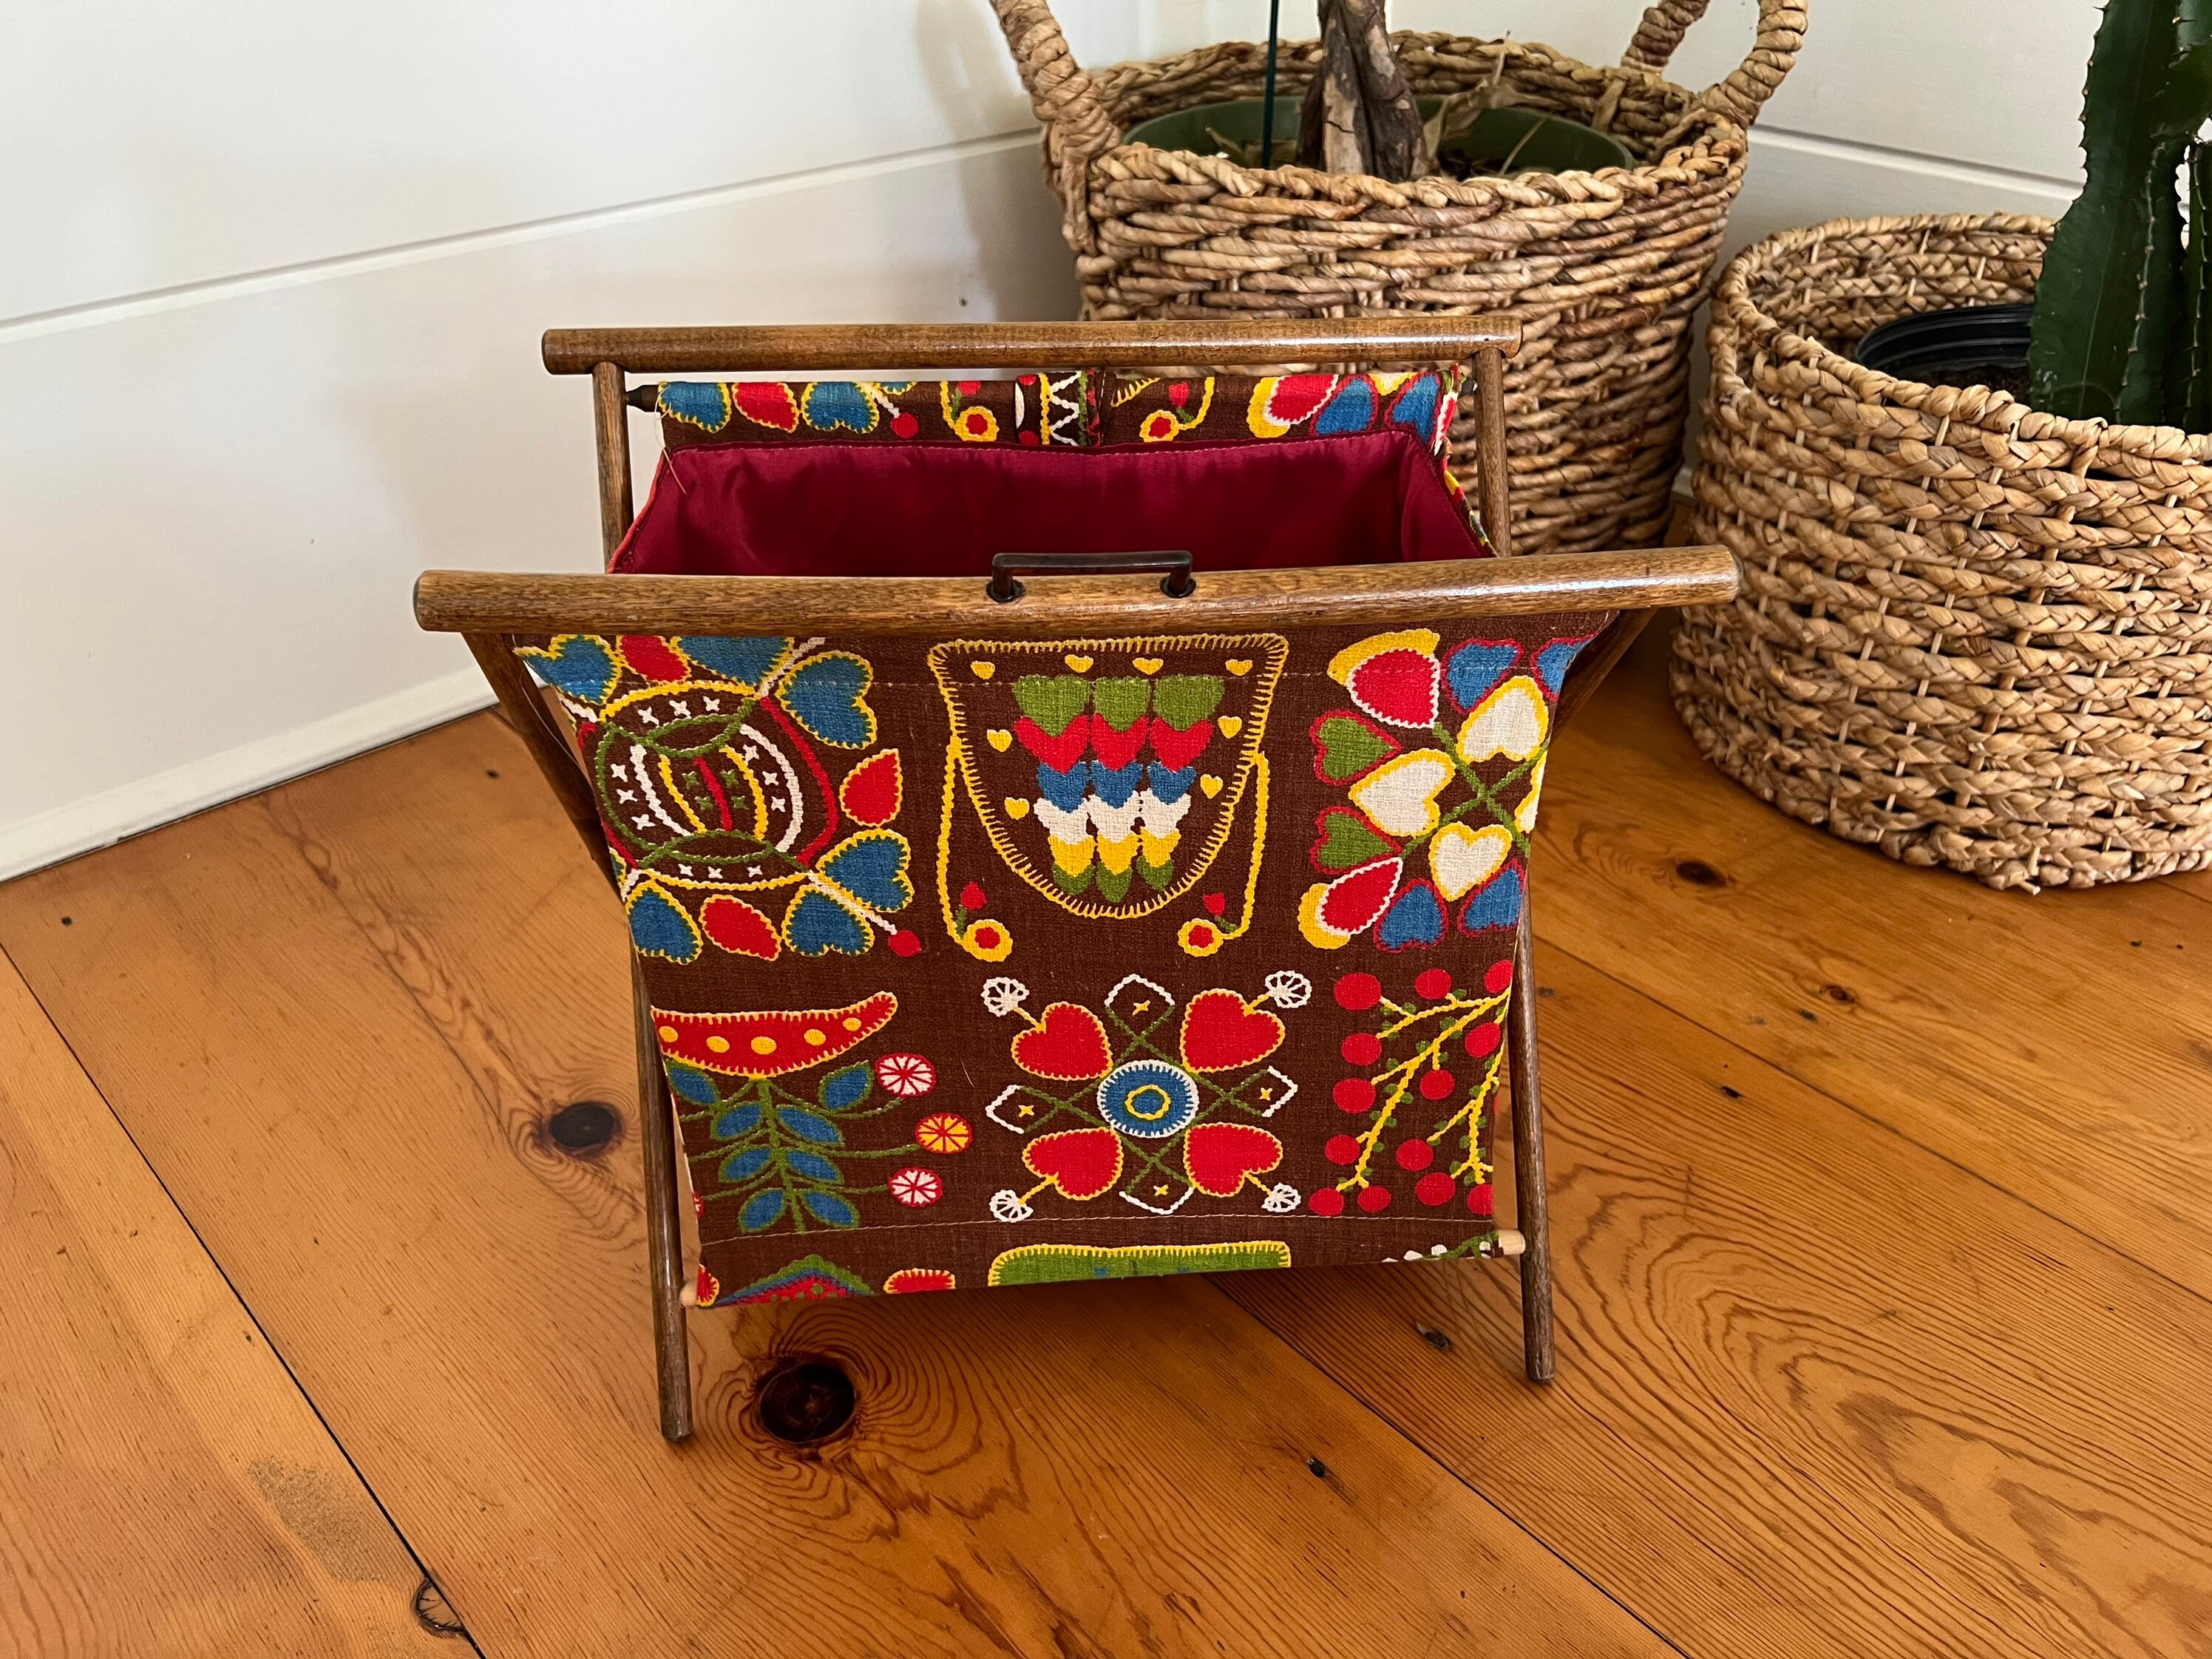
{"x":1528,"y":1161}
{"x":664,"y":1230}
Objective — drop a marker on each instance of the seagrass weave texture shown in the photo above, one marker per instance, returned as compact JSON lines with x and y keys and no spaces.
{"x":1602,"y":270}
{"x":1968,"y":634}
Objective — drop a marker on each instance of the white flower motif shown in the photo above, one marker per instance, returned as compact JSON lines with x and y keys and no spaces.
{"x":1289,"y":989}
{"x":915,"y":1188}
{"x":1282,"y":1198}
{"x":1006,"y":1206}
{"x":906,"y":1074}
{"x":1002,"y":995}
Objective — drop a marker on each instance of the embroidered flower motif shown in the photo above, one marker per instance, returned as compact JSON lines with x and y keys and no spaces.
{"x":906,"y":1074}
{"x":1006,"y":1205}
{"x":987,"y":940}
{"x":1199,"y":937}
{"x":1288,"y":989}
{"x":1433,"y":835}
{"x":916,"y":1186}
{"x":1282,"y":1198}
{"x":1002,"y":995}
{"x":943,"y":1132}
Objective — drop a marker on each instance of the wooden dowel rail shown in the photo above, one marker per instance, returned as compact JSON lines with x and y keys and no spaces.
{"x":482,"y":602}
{"x":1396,"y":340}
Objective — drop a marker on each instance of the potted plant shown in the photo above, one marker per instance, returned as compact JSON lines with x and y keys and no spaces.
{"x":1358,"y":114}
{"x":2121,"y":324}
{"x":1978,"y":555}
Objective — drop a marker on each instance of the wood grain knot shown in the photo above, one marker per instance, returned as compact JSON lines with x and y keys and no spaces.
{"x":801,"y":1401}
{"x":583,"y":1127}
{"x":1699,"y":873}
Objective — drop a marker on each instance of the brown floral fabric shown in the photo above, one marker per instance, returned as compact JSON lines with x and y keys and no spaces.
{"x":991,"y":963}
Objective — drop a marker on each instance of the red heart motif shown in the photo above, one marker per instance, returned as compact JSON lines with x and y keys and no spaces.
{"x":1219,"y":1156}
{"x":1067,"y":1044}
{"x":1398,"y":685}
{"x":870,"y":790}
{"x":1081,"y":1162}
{"x":735,"y":926}
{"x":1177,"y":750}
{"x":1219,"y":1031}
{"x":652,"y":656}
{"x":767,"y":403}
{"x":1060,"y":752}
{"x":1117,"y":749}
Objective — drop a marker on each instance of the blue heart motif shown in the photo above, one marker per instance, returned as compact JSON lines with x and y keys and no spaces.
{"x":829,"y":405}
{"x":815,"y":925}
{"x":582,"y":664}
{"x":704,"y":403}
{"x":871,"y":867}
{"x":745,"y":662}
{"x":1169,"y":785}
{"x":1496,"y":903}
{"x":1416,"y":405}
{"x":1064,"y":790}
{"x":1115,"y":785}
{"x":825,"y":696}
{"x":1416,"y":917}
{"x":1352,"y":410}
{"x":658,"y":927}
{"x":1553,"y":661}
{"x":1476,"y":668}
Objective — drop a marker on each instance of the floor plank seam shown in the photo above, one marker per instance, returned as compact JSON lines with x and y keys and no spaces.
{"x":398,"y":1532}
{"x":1884,"y":1125}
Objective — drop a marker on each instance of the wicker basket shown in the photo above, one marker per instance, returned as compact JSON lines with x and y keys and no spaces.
{"x":1970,"y":634}
{"x":1603,"y":270}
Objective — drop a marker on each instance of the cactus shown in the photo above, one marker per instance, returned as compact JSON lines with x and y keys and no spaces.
{"x":2122,"y":326}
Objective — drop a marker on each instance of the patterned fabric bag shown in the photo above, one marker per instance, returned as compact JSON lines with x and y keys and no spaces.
{"x":1002,"y":961}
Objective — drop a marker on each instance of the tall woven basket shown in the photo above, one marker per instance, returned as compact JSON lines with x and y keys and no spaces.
{"x":1968,"y":634}
{"x":1602,"y":270}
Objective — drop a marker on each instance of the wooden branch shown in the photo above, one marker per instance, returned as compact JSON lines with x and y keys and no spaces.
{"x":1358,"y":114}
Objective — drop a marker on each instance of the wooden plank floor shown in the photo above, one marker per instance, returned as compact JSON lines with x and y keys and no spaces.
{"x":1886,"y":1323}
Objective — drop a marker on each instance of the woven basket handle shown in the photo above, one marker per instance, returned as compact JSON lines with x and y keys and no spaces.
{"x":1752,"y":81}
{"x":1067,"y":102}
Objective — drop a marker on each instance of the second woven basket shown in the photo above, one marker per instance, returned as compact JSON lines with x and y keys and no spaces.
{"x":1602,"y":270}
{"x":1970,"y":634}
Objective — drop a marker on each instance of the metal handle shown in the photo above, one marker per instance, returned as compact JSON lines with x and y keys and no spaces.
{"x":1176,"y":583}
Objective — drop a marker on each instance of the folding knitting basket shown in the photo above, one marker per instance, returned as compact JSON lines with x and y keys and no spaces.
{"x":1603,"y":271}
{"x":999,"y":931}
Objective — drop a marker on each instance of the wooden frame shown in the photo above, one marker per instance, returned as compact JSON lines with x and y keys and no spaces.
{"x":487,"y":608}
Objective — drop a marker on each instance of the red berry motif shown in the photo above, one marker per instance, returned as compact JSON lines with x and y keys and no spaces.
{"x":1414,"y":1123}
{"x":904,"y":424}
{"x":1499,"y":976}
{"x":904,"y":943}
{"x":971,"y":896}
{"x":1478,"y":1200}
{"x":1359,"y":991}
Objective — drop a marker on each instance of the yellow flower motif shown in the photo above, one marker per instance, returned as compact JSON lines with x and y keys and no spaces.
{"x":943,"y":1132}
{"x":1199,"y":937}
{"x":987,"y":940}
{"x":977,"y":425}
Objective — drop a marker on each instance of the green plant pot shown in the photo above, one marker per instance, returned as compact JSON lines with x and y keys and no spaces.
{"x":1556,"y":145}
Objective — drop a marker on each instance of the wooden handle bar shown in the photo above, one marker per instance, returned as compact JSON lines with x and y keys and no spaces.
{"x":1411,"y":338}
{"x":484,"y":602}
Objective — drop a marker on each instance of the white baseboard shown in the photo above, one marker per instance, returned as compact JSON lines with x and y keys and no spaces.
{"x":105,"y":818}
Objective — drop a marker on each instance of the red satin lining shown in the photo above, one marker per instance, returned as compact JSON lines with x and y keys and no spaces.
{"x":882,"y":509}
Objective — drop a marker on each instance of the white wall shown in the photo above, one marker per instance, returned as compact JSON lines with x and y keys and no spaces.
{"x":270,"y":275}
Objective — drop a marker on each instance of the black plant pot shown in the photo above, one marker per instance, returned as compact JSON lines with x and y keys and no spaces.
{"x":1972,"y":345}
